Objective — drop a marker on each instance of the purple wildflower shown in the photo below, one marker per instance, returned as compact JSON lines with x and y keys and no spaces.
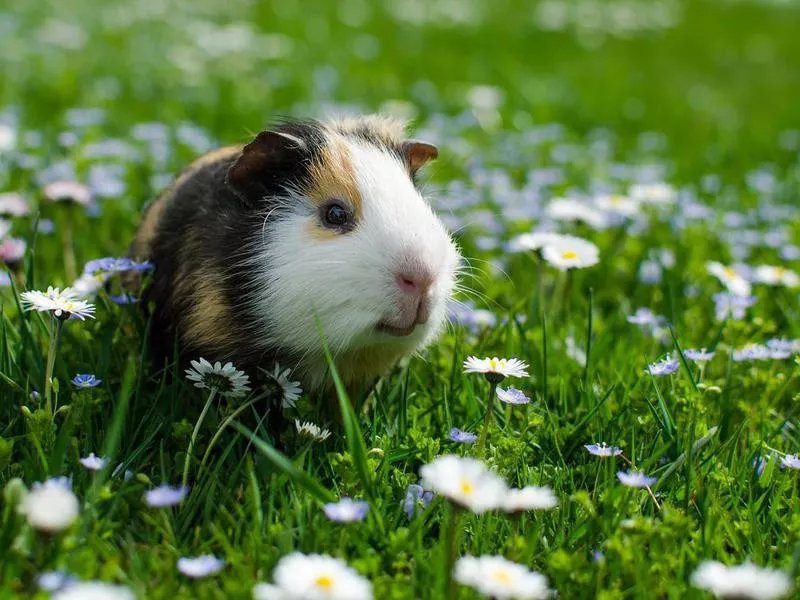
{"x":54,"y":581}
{"x":635,"y":479}
{"x":462,"y":437}
{"x":110,"y":264}
{"x":698,"y":355}
{"x":93,"y":463}
{"x":790,"y":461}
{"x":512,"y":396}
{"x":123,"y":298}
{"x":668,"y":366}
{"x":416,"y":499}
{"x":602,"y":450}
{"x":346,"y":510}
{"x":165,"y":495}
{"x":752,"y":352}
{"x":86,"y":380}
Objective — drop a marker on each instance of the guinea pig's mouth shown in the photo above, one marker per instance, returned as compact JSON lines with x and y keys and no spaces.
{"x":394,"y":330}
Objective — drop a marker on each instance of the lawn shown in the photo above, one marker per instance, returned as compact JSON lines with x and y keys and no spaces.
{"x":665,"y":133}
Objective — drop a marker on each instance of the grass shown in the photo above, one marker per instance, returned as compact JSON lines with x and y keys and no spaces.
{"x":705,"y":96}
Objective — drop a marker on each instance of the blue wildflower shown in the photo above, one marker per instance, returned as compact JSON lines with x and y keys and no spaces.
{"x":790,"y":461}
{"x":462,"y":437}
{"x":123,"y":299}
{"x":86,"y":380}
{"x":201,"y":566}
{"x":602,"y":450}
{"x":668,"y":366}
{"x":165,"y":495}
{"x":698,"y":355}
{"x":416,"y":498}
{"x":512,"y":396}
{"x":110,"y":264}
{"x":732,"y":306}
{"x":346,"y":510}
{"x":635,"y":479}
{"x":54,"y":581}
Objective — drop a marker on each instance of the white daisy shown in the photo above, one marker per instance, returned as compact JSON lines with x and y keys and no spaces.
{"x":772,"y":275}
{"x":62,"y":304}
{"x":310,"y":430}
{"x":571,"y":253}
{"x":226,"y":379}
{"x":730,"y":278}
{"x":318,"y":577}
{"x":529,"y":498}
{"x":63,"y":190}
{"x":465,"y":481}
{"x":741,"y":581}
{"x":569,"y":209}
{"x":496,"y":577}
{"x":653,"y":193}
{"x":200,"y":566}
{"x":291,"y":390}
{"x":94,"y":590}
{"x":617,"y":204}
{"x":13,"y":204}
{"x":267,"y":591}
{"x":503,"y":367}
{"x":534,"y":241}
{"x":50,"y":506}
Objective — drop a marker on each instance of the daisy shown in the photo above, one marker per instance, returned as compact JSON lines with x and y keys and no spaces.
{"x":668,"y":366}
{"x":730,"y":278}
{"x":319,"y":577}
{"x":465,"y":481}
{"x":603,"y":450}
{"x":225,"y":379}
{"x":61,"y":304}
{"x":496,"y":577}
{"x":200,"y":566}
{"x":575,"y":253}
{"x":267,"y":591}
{"x":93,"y":463}
{"x":774,"y":276}
{"x":635,"y":479}
{"x":50,"y":506}
{"x":462,"y":437}
{"x":496,"y":368}
{"x":86,"y":380}
{"x":88,"y":285}
{"x":13,"y":204}
{"x":529,"y":498}
{"x":94,"y":590}
{"x":741,"y":581}
{"x":618,"y":205}
{"x":653,"y":193}
{"x":534,"y":241}
{"x":59,"y":191}
{"x":569,"y":209}
{"x":165,"y":495}
{"x":512,"y":396}
{"x":346,"y":510}
{"x":291,"y":390}
{"x":310,"y":430}
{"x":790,"y":461}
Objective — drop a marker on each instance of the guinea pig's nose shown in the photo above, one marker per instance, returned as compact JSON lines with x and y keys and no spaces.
{"x":415,"y":281}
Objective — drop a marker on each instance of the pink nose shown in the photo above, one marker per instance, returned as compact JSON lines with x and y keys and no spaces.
{"x":416,"y":282}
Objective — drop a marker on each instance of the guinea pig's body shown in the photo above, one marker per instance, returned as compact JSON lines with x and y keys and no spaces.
{"x":312,"y":227}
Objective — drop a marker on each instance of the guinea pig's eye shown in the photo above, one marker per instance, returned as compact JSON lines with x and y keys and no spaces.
{"x":336,"y":216}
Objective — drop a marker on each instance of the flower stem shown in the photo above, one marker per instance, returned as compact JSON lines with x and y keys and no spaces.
{"x":488,"y":418}
{"x":55,"y":334}
{"x":197,"y":425}
{"x":450,"y":552}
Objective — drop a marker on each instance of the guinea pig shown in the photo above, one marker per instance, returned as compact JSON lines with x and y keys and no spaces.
{"x":314,"y":229}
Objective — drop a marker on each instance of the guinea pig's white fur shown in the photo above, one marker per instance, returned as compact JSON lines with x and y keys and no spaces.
{"x":346,"y":284}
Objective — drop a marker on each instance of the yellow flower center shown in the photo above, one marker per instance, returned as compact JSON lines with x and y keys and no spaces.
{"x":466,"y":487}
{"x":502,"y":576}
{"x":493,"y":364}
{"x":324,"y":582}
{"x":616,"y":200}
{"x":729,"y":272}
{"x":569,"y":254}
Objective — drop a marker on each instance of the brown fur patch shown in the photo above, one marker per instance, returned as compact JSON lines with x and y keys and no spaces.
{"x":332,"y":176}
{"x":206,"y":319}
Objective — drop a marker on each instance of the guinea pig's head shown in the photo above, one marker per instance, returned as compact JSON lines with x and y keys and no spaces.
{"x":346,"y":243}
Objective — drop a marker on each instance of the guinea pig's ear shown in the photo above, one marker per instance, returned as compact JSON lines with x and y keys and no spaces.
{"x":418,"y":154}
{"x":264,"y":163}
